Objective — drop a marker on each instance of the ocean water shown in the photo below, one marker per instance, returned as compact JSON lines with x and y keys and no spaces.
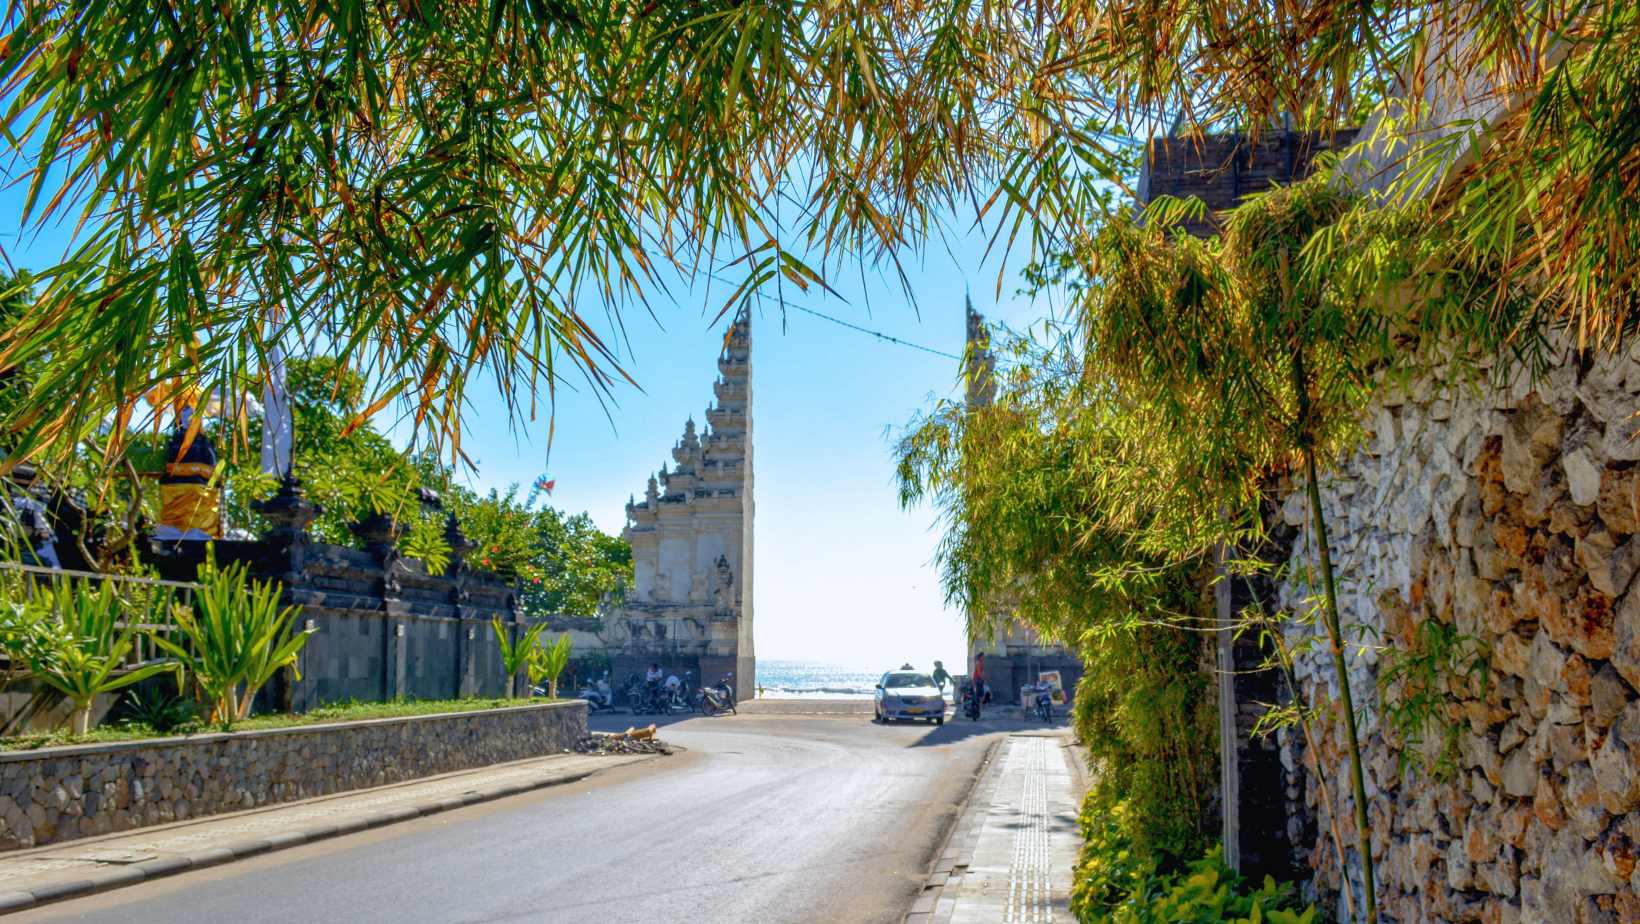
{"x":813,"y":679}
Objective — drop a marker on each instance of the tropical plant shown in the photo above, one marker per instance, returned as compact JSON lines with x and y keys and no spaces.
{"x":515,"y":656}
{"x":237,"y":637}
{"x":75,"y":645}
{"x":163,"y":712}
{"x":547,"y":662}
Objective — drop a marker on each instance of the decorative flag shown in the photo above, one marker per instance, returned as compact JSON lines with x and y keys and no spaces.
{"x":545,"y":483}
{"x":276,"y":419}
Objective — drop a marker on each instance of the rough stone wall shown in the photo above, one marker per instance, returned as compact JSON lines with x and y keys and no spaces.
{"x":1512,"y":515}
{"x":57,"y":794}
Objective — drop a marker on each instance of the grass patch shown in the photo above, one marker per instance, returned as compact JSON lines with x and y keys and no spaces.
{"x":335,"y":712}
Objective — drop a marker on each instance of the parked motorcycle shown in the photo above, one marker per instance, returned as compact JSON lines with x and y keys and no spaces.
{"x":718,"y":699}
{"x":631,"y":694}
{"x":684,"y":697}
{"x":598,"y":695}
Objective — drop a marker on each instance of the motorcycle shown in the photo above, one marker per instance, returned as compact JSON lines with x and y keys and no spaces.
{"x":652,"y":698}
{"x":598,"y":695}
{"x":684,"y":697}
{"x":631,"y":693}
{"x":719,"y":699}
{"x":970,"y":701}
{"x":1044,"y":701}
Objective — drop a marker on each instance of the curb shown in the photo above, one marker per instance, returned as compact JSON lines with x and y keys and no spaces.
{"x":957,"y":851}
{"x":104,"y":880}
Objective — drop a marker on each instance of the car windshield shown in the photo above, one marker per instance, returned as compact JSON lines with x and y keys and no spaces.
{"x":908,"y":680}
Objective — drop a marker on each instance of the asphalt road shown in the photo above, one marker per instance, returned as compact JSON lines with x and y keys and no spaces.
{"x":762,"y":820}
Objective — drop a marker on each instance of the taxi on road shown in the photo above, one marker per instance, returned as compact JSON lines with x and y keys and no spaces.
{"x":909,"y":695}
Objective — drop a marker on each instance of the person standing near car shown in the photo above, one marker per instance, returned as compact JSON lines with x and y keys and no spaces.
{"x":981,"y":688}
{"x":941,"y":676}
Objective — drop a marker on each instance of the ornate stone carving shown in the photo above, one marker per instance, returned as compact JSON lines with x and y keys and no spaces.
{"x":289,"y":511}
{"x":381,"y":534}
{"x":723,"y":595}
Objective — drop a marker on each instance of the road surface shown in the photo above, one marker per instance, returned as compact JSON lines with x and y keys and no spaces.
{"x":763,"y":819}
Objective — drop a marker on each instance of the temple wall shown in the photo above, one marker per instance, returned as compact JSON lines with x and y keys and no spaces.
{"x":384,"y":627}
{"x":1508,"y":515}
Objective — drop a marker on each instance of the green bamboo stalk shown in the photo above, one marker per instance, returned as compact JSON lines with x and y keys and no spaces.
{"x":1336,"y":638}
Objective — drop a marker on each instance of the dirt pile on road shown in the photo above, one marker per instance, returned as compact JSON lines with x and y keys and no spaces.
{"x":631,"y":741}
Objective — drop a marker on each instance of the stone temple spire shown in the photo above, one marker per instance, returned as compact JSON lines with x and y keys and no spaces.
{"x":978,"y":363}
{"x":690,"y":607}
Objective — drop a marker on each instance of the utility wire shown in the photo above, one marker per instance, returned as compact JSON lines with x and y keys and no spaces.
{"x":874,"y":333}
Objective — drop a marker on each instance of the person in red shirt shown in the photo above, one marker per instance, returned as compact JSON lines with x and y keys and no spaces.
{"x":979,"y":679}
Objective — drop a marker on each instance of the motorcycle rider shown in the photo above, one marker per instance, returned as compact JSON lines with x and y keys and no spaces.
{"x":652,"y":681}
{"x":1041,"y":690}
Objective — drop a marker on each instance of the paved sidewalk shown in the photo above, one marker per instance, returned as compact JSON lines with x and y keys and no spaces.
{"x":97,"y":864}
{"x":1010,"y":856}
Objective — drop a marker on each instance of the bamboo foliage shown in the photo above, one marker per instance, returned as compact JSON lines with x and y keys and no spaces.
{"x":1035,"y":528}
{"x":438,"y":193}
{"x":1120,"y":455}
{"x":445,"y":194}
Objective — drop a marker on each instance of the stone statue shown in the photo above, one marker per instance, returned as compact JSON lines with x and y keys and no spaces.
{"x":724,"y":594}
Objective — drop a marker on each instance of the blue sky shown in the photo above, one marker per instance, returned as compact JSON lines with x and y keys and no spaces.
{"x":843,"y":575}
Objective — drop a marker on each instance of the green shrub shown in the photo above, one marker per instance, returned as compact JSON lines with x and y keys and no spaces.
{"x":1146,"y":711}
{"x":1115,"y":882}
{"x":547,"y":662}
{"x":164,"y":713}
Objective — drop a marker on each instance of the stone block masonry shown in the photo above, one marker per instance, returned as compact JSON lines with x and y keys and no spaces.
{"x":1510,"y":514}
{"x":57,"y":794}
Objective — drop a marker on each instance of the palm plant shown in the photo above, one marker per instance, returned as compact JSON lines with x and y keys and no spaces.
{"x":80,"y":650}
{"x":516,"y":655}
{"x":547,"y":662}
{"x":236,"y":637}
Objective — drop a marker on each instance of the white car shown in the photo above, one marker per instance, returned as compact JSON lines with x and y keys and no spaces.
{"x":909,"y":695}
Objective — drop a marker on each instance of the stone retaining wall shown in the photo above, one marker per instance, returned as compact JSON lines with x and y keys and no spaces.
{"x":56,"y":794}
{"x":1513,"y":516}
